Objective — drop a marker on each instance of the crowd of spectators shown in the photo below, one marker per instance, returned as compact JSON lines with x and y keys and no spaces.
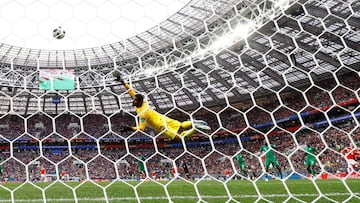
{"x":102,"y":151}
{"x":203,"y":160}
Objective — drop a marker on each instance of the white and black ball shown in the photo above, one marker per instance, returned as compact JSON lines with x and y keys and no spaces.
{"x":58,"y":33}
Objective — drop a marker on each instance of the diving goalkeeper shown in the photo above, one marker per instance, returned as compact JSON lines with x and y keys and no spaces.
{"x":161,"y":124}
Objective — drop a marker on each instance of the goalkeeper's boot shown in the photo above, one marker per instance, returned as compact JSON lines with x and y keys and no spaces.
{"x":201,"y":125}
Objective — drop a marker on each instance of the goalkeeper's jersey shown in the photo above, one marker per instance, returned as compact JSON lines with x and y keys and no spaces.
{"x":158,"y":122}
{"x":148,"y":116}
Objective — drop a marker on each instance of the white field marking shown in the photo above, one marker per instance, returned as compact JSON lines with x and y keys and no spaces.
{"x":176,"y":197}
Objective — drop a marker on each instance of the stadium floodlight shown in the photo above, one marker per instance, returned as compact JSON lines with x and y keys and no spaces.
{"x":281,"y":4}
{"x":235,"y":34}
{"x":148,"y":72}
{"x":240,"y":32}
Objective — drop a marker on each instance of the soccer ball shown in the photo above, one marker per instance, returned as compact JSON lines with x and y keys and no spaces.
{"x":58,"y":33}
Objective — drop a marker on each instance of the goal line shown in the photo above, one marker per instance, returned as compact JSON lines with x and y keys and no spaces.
{"x":177,"y":197}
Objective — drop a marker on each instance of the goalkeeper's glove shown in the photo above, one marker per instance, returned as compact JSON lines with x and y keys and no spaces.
{"x":118,"y":77}
{"x":125,"y":128}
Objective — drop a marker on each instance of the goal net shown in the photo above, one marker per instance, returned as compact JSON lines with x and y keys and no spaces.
{"x":276,"y":81}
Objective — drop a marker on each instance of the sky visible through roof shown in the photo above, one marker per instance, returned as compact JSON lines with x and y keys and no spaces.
{"x":88,"y":23}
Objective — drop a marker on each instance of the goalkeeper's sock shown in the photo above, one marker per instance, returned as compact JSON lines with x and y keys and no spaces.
{"x":312,"y":172}
{"x":186,"y":124}
{"x":188,"y":133}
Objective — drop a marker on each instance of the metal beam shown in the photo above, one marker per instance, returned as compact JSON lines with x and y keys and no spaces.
{"x":14,"y":90}
{"x":44,"y":104}
{"x":221,"y":80}
{"x":310,"y":47}
{"x":115,"y":97}
{"x":321,"y":55}
{"x":192,"y":17}
{"x":280,"y":57}
{"x":161,"y":39}
{"x":273,"y":75}
{"x":191,"y":97}
{"x":317,"y":11}
{"x":17,"y":54}
{"x":296,"y":63}
{"x":185,"y":26}
{"x":244,"y":75}
{"x":56,"y":109}
{"x":113,"y":48}
{"x":84,"y":101}
{"x":200,"y":8}
{"x":76,"y":61}
{"x":100,"y":100}
{"x":27,"y":104}
{"x":106,"y":54}
{"x":352,"y":44}
{"x":96,"y":56}
{"x":6,"y":54}
{"x":157,"y":36}
{"x":311,"y":25}
{"x":284,"y":42}
{"x":288,"y":23}
{"x":141,"y":39}
{"x":200,"y":84}
{"x":137,"y":46}
{"x":257,"y":64}
{"x":160,"y":83}
{"x":168,"y":31}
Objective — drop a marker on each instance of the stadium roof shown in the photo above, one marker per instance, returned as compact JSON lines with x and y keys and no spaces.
{"x":189,"y":19}
{"x":287,"y":42}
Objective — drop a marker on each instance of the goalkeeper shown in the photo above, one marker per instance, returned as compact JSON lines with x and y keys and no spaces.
{"x":158,"y":122}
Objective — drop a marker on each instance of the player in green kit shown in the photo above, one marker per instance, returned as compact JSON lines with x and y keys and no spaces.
{"x":270,"y":158}
{"x":310,"y":160}
{"x":141,"y":166}
{"x":240,"y":158}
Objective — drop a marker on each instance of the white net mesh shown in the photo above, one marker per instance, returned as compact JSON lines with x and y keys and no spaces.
{"x":273,"y":79}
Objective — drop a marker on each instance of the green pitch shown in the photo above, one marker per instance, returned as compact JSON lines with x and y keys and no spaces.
{"x":182,"y":191}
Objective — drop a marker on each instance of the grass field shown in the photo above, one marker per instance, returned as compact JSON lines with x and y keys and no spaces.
{"x":182,"y":191}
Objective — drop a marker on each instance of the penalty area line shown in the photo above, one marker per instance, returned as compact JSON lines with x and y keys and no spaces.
{"x":175,"y":197}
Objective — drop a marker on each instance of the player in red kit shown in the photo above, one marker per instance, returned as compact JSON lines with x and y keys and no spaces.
{"x":351,"y":153}
{"x":153,"y":175}
{"x":42,"y":174}
{"x":227,"y":173}
{"x":63,"y":175}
